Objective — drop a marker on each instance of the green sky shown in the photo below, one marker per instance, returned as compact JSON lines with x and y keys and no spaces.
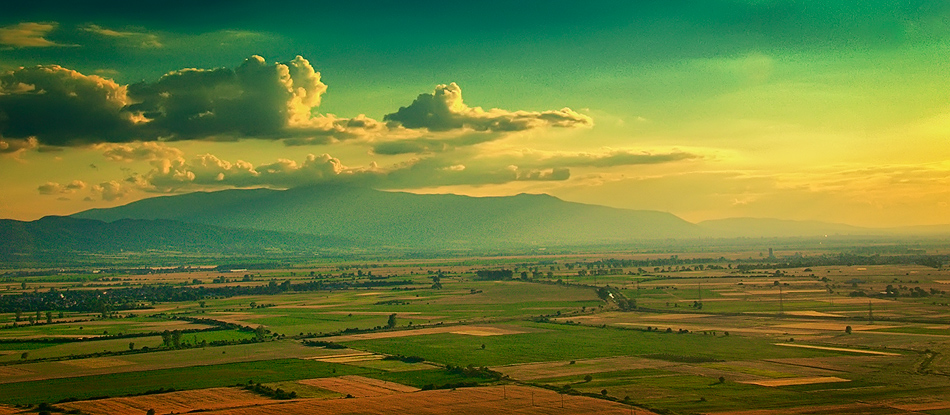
{"x":818,"y":110}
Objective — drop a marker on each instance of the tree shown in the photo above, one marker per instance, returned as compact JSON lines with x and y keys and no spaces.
{"x":176,"y":338}
{"x":722,"y":379}
{"x":588,"y":378}
{"x":603,"y":392}
{"x":150,"y":412}
{"x":259,"y":333}
{"x":847,"y":329}
{"x":24,"y":355}
{"x":392,"y":321}
{"x":166,"y":338}
{"x":18,"y":314}
{"x":131,"y":345}
{"x":49,"y":317}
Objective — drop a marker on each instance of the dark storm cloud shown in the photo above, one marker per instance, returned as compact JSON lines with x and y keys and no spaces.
{"x":62,"y":107}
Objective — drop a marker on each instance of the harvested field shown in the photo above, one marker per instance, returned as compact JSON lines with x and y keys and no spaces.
{"x":811,"y":313}
{"x":922,"y":406}
{"x":838,"y":349}
{"x":96,"y":363}
{"x":678,"y":316}
{"x":463,"y":401}
{"x":9,"y":410}
{"x":358,"y":386}
{"x":7,"y":371}
{"x":855,"y":408}
{"x":467,"y":330}
{"x":542,"y":370}
{"x":776,"y":292}
{"x":840,"y":364}
{"x":817,"y":325}
{"x":349,"y":357}
{"x":178,"y":402}
{"x":167,"y":360}
{"x":857,"y":300}
{"x":795,"y":381}
{"x":373,"y":313}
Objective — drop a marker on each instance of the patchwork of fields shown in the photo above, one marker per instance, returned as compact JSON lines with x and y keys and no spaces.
{"x":433,"y":336}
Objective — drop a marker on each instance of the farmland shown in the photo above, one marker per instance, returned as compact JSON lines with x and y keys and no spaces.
{"x":678,"y":332}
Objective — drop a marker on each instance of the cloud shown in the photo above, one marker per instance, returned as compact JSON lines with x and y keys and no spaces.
{"x":139,"y":39}
{"x":274,"y":101}
{"x":610,"y":158}
{"x":143,"y":151}
{"x":175,"y":174}
{"x":209,"y":171}
{"x":53,"y":188}
{"x":16,"y":146}
{"x":27,"y":35}
{"x":256,"y":99}
{"x":420,"y":145}
{"x":110,"y":190}
{"x":443,"y":110}
{"x":61,"y":107}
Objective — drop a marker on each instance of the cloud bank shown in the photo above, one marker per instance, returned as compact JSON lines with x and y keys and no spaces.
{"x":61,"y":107}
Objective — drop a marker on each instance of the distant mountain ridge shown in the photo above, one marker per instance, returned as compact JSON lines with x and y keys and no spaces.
{"x":63,"y":234}
{"x":435,"y":221}
{"x":407,"y":219}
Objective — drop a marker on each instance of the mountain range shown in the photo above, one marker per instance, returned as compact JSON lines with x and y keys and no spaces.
{"x":64,"y":235}
{"x":301,"y":219}
{"x":407,"y":219}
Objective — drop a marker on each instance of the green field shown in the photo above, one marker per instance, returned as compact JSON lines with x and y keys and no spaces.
{"x":195,"y":377}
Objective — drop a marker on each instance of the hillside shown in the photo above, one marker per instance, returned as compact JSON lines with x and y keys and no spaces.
{"x":406,"y":219}
{"x":61,"y":235}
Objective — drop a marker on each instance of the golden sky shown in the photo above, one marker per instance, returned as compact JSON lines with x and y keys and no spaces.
{"x":806,"y":110}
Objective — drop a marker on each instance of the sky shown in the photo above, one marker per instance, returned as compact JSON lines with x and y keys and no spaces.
{"x":826,"y":110}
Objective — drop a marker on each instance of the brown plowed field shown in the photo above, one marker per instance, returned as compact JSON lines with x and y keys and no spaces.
{"x":468,"y":330}
{"x":463,"y":401}
{"x":179,"y":402}
{"x":358,"y":386}
{"x":851,"y":409}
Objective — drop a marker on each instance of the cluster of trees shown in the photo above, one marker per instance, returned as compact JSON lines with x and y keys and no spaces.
{"x":494,"y":274}
{"x":933,"y":261}
{"x":321,"y":343}
{"x":916,"y":292}
{"x":270,"y":392}
{"x":609,"y":294}
{"x":406,"y":359}
{"x":472,"y":371}
{"x":132,"y":298}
